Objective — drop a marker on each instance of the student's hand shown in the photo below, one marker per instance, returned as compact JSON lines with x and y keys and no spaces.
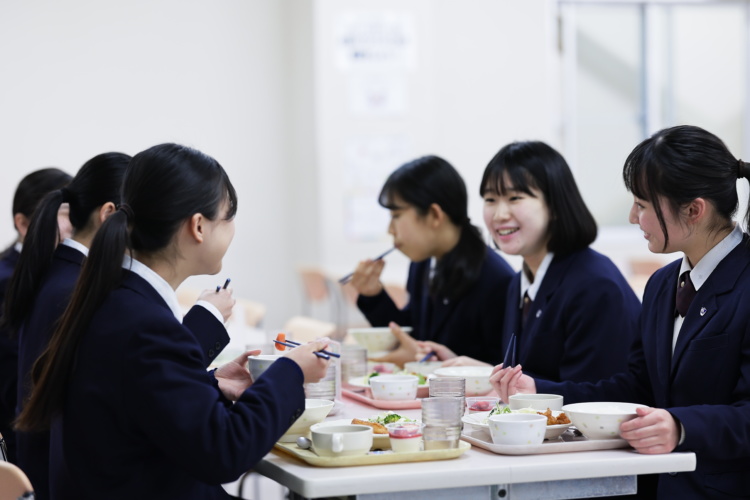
{"x":234,"y":377}
{"x":366,"y":278}
{"x":441,"y":353}
{"x":653,"y":431}
{"x":511,"y":380}
{"x":222,"y":299}
{"x":404,"y":353}
{"x":465,"y":361}
{"x":313,"y":367}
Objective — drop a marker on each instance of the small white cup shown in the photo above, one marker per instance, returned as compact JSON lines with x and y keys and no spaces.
{"x":394,"y":387}
{"x":405,"y":437}
{"x":517,"y":428}
{"x":258,"y":364}
{"x":341,"y":440}
{"x":536,"y":401}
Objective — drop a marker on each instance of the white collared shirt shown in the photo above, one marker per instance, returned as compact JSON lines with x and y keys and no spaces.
{"x":157,"y":282}
{"x":18,"y":246}
{"x":68,"y":242}
{"x":533,"y":288}
{"x":703,"y":269}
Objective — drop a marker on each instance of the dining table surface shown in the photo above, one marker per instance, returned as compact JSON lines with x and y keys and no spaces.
{"x":475,"y":474}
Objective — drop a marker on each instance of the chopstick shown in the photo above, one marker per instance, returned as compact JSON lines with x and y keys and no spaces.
{"x":346,"y":279}
{"x":321,"y":354}
{"x":226,"y":284}
{"x":427,"y":356}
{"x":510,"y":353}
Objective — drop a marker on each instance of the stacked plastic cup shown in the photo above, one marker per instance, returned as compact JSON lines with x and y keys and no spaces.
{"x":441,"y":417}
{"x":353,"y":364}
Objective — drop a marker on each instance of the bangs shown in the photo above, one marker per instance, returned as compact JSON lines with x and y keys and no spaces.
{"x":635,"y":174}
{"x":501,"y":178}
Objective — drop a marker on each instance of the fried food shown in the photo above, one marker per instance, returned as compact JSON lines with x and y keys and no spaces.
{"x":376,"y":427}
{"x":561,"y":418}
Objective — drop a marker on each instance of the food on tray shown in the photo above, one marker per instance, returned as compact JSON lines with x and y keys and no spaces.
{"x":405,"y":431}
{"x":377,"y":428}
{"x":481,"y":406}
{"x":559,"y":419}
{"x":499,"y":409}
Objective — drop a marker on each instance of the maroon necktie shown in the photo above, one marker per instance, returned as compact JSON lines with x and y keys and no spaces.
{"x":526,"y":307}
{"x":685,"y":294}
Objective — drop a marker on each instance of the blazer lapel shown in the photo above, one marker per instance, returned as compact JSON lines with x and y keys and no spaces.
{"x":705,"y":304}
{"x":665,"y":323}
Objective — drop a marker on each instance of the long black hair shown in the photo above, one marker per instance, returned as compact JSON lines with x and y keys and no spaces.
{"x":97,"y":182}
{"x":680,"y":164}
{"x":32,"y":188}
{"x":428,"y":180}
{"x":164,"y":186}
{"x":534,"y":164}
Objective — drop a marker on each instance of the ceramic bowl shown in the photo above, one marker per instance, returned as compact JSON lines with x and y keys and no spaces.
{"x":376,"y":340}
{"x":315,"y":411}
{"x":536,"y":401}
{"x":341,"y":440}
{"x":517,"y":428}
{"x":258,"y":364}
{"x":477,"y":378}
{"x":479,"y":421}
{"x":394,"y":387}
{"x":600,"y":420}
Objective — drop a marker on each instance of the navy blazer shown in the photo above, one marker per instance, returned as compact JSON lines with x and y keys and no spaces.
{"x":469,"y":326}
{"x":49,"y":304}
{"x":705,"y":384}
{"x":581,"y":323}
{"x":144,"y":419}
{"x":8,"y":359}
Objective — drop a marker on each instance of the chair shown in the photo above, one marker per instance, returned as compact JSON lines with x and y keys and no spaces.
{"x":14,"y":485}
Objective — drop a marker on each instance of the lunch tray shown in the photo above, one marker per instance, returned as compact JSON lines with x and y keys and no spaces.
{"x":373,"y":457}
{"x":364,"y":397}
{"x":569,"y":441}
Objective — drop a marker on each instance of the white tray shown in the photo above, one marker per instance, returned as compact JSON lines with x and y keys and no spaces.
{"x":570,"y":441}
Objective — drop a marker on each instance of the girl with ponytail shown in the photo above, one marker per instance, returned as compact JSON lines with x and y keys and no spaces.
{"x":455,"y":281}
{"x":30,"y":191}
{"x":45,"y":276}
{"x":122,"y":383}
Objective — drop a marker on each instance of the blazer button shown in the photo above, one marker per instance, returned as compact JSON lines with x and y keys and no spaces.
{"x":211,"y":353}
{"x":217,"y":345}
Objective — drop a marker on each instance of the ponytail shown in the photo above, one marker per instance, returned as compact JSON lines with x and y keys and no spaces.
{"x":459,"y":269}
{"x":36,"y":257}
{"x":97,"y":182}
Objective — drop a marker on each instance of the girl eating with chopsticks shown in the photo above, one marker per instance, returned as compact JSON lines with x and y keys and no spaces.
{"x":455,"y":281}
{"x":570,"y":314}
{"x":123,"y":384}
{"x":691,"y":360}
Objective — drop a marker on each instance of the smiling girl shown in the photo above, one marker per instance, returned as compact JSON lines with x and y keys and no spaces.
{"x":455,"y":281}
{"x":570,"y":309}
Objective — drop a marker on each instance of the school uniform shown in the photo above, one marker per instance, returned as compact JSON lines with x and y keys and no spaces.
{"x":701,"y":375}
{"x":8,"y":358}
{"x":34,"y":335}
{"x":143,"y":418}
{"x":581,"y":320}
{"x":469,"y":325}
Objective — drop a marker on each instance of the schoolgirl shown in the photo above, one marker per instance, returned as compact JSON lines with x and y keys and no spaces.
{"x":455,"y":281}
{"x":134,"y":413}
{"x":691,"y":362}
{"x":570,"y":314}
{"x":30,"y":191}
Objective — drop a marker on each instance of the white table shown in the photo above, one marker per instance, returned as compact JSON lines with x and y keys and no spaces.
{"x":477,"y":474}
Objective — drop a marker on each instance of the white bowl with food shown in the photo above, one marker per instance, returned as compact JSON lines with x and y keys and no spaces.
{"x":601,"y":420}
{"x":477,"y":378}
{"x":517,"y":428}
{"x":479,"y":421}
{"x":376,"y":340}
{"x":315,"y":411}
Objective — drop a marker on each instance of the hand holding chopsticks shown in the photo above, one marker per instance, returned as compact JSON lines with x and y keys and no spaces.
{"x":346,"y":279}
